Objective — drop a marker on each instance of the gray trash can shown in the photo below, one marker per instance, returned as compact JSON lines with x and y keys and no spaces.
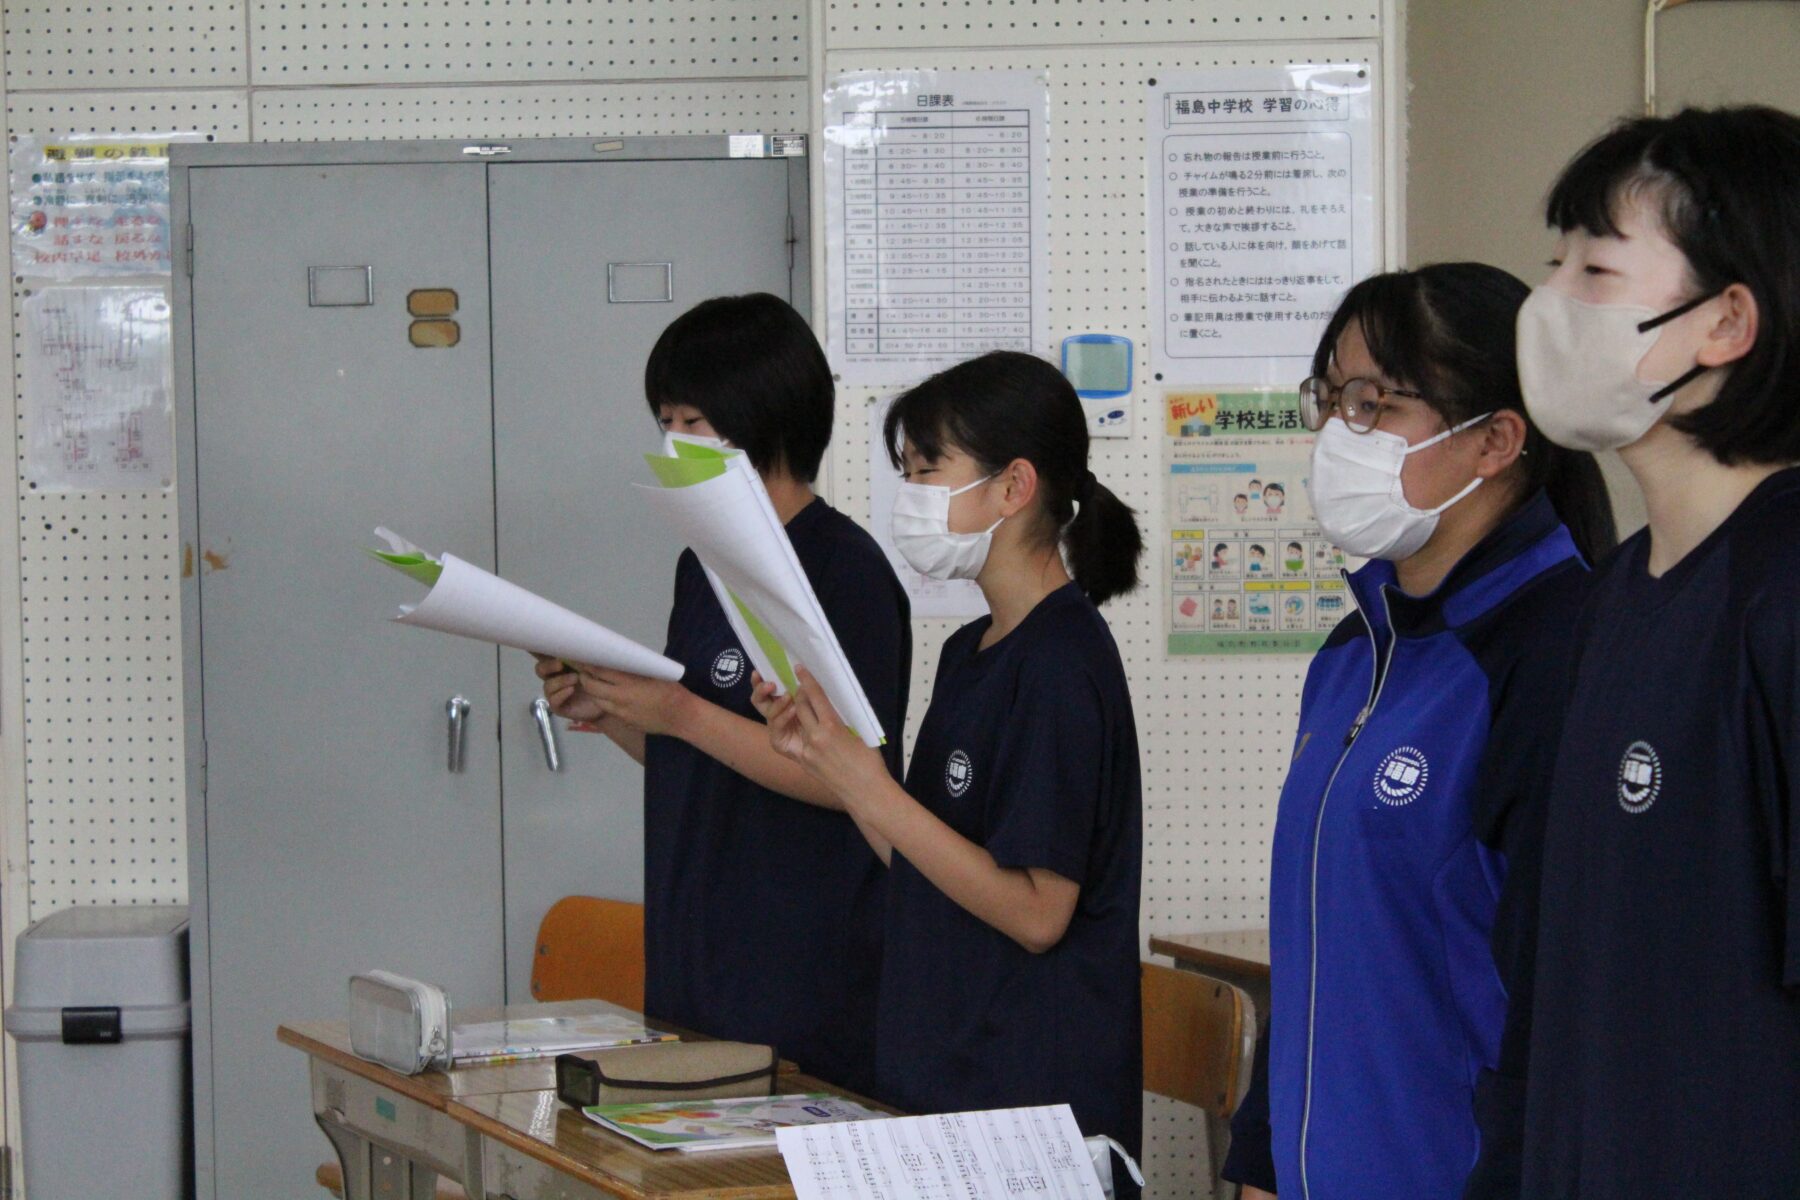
{"x":100,"y":1014}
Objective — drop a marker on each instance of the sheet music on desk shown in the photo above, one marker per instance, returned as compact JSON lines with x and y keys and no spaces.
{"x":998,"y":1155}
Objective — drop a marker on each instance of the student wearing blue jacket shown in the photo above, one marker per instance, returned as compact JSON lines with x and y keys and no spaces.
{"x":1404,"y":866}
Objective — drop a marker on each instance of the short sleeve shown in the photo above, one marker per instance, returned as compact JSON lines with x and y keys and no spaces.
{"x":869,"y":614}
{"x":1047,"y":792}
{"x":1773,"y":650}
{"x":1251,"y":1159}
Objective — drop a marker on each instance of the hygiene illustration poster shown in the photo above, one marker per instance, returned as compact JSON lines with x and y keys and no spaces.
{"x":1248,"y":570}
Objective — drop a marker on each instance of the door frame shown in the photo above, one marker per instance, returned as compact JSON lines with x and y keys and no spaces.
{"x":188,"y":157}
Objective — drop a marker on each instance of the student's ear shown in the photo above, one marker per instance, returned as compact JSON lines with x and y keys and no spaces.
{"x":1503,"y":440}
{"x":1020,"y":482}
{"x":1733,"y":332}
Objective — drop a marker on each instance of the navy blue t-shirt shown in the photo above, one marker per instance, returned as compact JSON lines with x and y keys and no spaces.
{"x":763,"y":913}
{"x":1028,"y":749}
{"x":1665,"y":1040}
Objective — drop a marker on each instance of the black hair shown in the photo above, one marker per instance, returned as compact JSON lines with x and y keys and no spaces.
{"x":1448,"y":331}
{"x":1296,"y":546}
{"x":1221,"y":547}
{"x":1003,"y":406}
{"x":1725,"y":186}
{"x":754,"y":368}
{"x":1240,"y":496}
{"x":1259,"y":547}
{"x":1273,"y":487}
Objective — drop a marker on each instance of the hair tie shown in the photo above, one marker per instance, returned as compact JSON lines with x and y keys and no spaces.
{"x":1084,"y":487}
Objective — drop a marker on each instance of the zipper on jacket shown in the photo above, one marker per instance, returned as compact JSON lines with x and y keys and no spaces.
{"x":1382,"y":661}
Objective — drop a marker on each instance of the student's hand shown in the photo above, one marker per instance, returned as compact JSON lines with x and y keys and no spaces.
{"x":562,"y":688}
{"x":655,"y":706}
{"x":812,"y":734}
{"x":778,"y":714}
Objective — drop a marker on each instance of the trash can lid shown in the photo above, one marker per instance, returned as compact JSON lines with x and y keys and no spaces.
{"x":126,"y":956}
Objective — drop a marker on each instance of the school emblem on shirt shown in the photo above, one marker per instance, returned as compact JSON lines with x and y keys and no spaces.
{"x":1640,"y":777}
{"x":1402,"y":775}
{"x":728,"y":668}
{"x":959,"y":773}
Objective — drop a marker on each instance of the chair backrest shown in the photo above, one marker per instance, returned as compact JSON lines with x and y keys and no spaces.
{"x":1199,"y":1038}
{"x":587,"y":949}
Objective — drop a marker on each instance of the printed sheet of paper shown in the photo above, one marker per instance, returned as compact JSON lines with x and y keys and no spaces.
{"x":98,"y":378}
{"x":91,"y":205}
{"x":470,"y":602}
{"x":1262,"y":213}
{"x":998,"y":1155}
{"x":715,"y":502}
{"x":1249,"y":571}
{"x":936,"y":219}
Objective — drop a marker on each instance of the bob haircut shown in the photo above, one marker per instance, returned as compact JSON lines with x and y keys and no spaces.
{"x":1724,"y":184}
{"x":752,"y":366}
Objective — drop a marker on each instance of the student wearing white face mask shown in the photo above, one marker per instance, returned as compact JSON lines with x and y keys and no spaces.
{"x":1665,"y":1025}
{"x":1015,"y":847}
{"x":1405,"y":840}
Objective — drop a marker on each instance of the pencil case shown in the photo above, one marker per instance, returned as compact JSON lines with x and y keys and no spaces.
{"x":399,"y":1022}
{"x":667,"y":1071}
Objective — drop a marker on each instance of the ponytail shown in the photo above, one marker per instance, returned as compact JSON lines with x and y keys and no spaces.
{"x":1003,"y":406}
{"x":1103,"y":544}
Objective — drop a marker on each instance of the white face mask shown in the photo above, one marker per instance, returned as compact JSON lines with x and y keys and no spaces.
{"x":1578,"y":365}
{"x":670,"y":437}
{"x":1357,"y":495}
{"x":922,"y":534}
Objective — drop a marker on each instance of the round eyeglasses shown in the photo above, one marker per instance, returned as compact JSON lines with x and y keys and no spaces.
{"x":1359,"y":401}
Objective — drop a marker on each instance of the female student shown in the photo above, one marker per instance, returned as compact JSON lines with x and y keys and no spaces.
{"x":1421,"y":747}
{"x":1665,"y":1047}
{"x":1015,"y":848}
{"x":762,"y":902}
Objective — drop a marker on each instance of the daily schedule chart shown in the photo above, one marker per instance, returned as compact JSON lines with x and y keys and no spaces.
{"x":935,"y":211}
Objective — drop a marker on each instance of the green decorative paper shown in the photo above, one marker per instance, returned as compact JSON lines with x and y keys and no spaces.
{"x":685,"y":471}
{"x":416,"y":565}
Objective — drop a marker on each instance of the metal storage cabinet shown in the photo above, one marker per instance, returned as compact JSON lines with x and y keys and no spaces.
{"x":329,"y":834}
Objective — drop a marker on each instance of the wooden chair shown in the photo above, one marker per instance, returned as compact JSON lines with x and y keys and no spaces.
{"x":587,"y":949}
{"x":1199,"y":1043}
{"x":590,"y":949}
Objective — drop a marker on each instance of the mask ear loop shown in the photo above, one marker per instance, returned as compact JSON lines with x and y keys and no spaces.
{"x":1686,"y":377}
{"x":1473,"y":483}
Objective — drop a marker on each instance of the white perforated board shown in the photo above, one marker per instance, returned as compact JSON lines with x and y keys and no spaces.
{"x":1214,"y":732}
{"x":100,"y":614}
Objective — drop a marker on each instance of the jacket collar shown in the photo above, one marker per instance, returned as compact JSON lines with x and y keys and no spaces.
{"x":1530,"y":541}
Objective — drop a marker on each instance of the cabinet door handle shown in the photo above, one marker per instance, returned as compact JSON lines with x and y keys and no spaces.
{"x":457,"y":709}
{"x":540,"y":713}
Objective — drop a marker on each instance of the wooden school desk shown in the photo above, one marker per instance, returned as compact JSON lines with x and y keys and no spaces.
{"x":501,"y":1132}
{"x":1238,"y":956}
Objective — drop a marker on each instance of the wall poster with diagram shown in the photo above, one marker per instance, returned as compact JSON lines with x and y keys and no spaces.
{"x":1249,"y":571}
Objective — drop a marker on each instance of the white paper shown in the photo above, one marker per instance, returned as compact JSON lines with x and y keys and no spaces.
{"x":731,"y":525}
{"x":998,"y":1155}
{"x":936,"y":219}
{"x":957,"y":598}
{"x":474,"y":603}
{"x":1262,"y":193}
{"x":97,"y":375}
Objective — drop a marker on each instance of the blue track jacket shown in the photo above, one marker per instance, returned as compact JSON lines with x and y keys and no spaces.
{"x":1389,"y":973}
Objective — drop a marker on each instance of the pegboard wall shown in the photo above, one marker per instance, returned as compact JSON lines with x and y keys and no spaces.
{"x":1214,"y":733}
{"x":97,"y":629}
{"x":96,"y":635}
